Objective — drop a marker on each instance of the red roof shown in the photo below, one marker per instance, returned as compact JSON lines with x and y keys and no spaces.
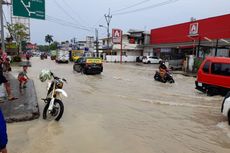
{"x":212,"y":28}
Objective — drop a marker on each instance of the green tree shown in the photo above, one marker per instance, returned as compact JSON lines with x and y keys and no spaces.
{"x":43,"y":48}
{"x":48,"y":39}
{"x":19,"y":33}
{"x":54,"y":45}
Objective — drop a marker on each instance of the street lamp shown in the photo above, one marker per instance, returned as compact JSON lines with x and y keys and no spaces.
{"x":206,"y":38}
{"x":225,"y":41}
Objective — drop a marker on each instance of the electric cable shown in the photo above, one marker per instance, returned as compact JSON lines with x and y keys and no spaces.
{"x":66,"y":22}
{"x":67,"y":13}
{"x":131,"y":6}
{"x":148,"y":7}
{"x":69,"y":6}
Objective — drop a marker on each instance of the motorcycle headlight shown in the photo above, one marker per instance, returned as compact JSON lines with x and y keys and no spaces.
{"x":59,"y":85}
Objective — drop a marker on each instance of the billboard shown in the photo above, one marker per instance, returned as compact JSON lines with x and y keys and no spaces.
{"x":116,"y":36}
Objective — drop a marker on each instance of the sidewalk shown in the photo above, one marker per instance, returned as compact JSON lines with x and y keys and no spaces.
{"x":24,"y":108}
{"x":185,"y":73}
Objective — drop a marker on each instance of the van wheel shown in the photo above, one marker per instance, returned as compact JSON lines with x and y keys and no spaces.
{"x":210,"y":92}
{"x":148,"y":62}
{"x":84,"y":71}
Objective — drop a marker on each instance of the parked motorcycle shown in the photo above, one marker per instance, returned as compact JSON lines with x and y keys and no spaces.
{"x":166,"y":78}
{"x":54,"y":107}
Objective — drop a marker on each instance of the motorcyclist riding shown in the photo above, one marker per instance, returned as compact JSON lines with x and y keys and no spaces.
{"x":163,"y":75}
{"x":162,"y":70}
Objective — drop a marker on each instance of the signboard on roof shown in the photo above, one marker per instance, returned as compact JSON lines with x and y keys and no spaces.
{"x":194,"y":29}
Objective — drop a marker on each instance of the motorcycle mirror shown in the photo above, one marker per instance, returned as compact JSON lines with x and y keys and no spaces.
{"x":64,"y":80}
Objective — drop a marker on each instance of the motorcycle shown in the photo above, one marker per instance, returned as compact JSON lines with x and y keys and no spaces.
{"x":54,"y":107}
{"x":225,"y":109}
{"x":166,"y":78}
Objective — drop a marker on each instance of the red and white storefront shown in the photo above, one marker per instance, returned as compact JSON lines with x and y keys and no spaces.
{"x":209,"y":36}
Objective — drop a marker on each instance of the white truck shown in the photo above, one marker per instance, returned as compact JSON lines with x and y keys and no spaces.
{"x":62,"y":56}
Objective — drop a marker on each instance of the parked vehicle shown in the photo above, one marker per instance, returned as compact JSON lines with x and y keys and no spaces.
{"x":213,"y":76}
{"x":151,"y":60}
{"x":225,"y":109}
{"x":62,"y":56}
{"x":53,"y":54}
{"x":54,"y":107}
{"x":88,"y":65}
{"x":76,"y":54}
{"x":139,"y":59}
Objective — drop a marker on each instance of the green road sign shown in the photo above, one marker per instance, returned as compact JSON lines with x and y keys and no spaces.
{"x":29,"y":8}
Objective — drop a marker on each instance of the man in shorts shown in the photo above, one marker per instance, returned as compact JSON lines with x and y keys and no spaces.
{"x":6,"y":82}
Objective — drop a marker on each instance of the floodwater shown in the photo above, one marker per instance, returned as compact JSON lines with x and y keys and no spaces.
{"x":123,"y":110}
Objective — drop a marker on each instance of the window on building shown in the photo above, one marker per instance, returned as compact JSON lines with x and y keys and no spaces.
{"x":124,"y":53}
{"x":131,"y":40}
{"x":206,"y":67}
{"x":221,"y":69}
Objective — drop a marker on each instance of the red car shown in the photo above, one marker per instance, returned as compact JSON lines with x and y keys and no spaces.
{"x":213,"y":76}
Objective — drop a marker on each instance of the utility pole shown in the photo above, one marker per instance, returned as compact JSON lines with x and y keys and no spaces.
{"x":108,"y":19}
{"x":216,"y":49}
{"x":97,"y":51}
{"x":2,"y":25}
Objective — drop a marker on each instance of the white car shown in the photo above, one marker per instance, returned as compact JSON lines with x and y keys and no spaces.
{"x":151,"y":59}
{"x":226,"y":107}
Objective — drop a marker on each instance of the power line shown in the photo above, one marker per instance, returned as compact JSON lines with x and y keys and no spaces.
{"x":65,"y":23}
{"x":131,"y":6}
{"x":74,"y":11}
{"x":67,"y":13}
{"x":148,"y":7}
{"x":95,"y":25}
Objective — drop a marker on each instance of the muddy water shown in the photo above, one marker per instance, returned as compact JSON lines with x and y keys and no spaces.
{"x":124,"y":111}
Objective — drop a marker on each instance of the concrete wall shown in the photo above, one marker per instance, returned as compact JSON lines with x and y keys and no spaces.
{"x":116,"y":58}
{"x":148,"y":51}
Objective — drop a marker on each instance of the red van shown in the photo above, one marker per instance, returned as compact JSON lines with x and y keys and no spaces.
{"x":213,"y":76}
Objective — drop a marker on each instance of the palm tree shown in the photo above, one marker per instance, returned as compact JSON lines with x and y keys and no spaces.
{"x":48,"y":39}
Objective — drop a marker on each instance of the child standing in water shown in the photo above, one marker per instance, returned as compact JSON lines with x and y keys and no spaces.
{"x":23,"y":78}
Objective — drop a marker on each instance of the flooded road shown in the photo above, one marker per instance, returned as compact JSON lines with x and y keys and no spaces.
{"x":124,"y":110}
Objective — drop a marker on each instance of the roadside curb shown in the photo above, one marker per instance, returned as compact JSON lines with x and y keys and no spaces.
{"x":25,"y":108}
{"x":185,"y":74}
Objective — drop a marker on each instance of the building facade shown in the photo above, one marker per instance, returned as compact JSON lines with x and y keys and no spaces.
{"x":200,"y":38}
{"x":132,"y":46}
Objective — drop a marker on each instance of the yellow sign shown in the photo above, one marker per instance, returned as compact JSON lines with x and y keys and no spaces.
{"x":94,"y":60}
{"x":11,"y":46}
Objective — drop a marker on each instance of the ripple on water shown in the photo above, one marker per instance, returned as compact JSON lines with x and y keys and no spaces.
{"x":160,"y":102}
{"x":224,"y":127}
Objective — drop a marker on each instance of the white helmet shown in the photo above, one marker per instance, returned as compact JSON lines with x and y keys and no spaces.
{"x":44,"y":75}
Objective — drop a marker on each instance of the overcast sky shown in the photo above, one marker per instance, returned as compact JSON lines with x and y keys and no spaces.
{"x":80,"y":17}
